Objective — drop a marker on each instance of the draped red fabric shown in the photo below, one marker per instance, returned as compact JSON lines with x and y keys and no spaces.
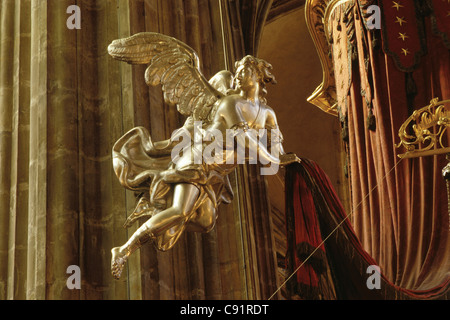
{"x":399,"y":207}
{"x":316,"y":217}
{"x":306,"y":237}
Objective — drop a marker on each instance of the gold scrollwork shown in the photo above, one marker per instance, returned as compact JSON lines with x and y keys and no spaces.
{"x":424,"y":132}
{"x":317,"y":18}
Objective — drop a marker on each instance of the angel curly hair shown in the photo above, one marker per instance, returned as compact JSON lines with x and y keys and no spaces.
{"x":262,"y":70}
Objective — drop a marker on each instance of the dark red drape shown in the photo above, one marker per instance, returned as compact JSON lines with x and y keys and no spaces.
{"x":338,"y":268}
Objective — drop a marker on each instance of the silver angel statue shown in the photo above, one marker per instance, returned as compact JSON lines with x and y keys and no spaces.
{"x":180,"y":188}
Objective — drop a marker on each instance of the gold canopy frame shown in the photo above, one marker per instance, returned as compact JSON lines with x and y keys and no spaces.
{"x":317,"y":17}
{"x":428,"y":126}
{"x":423,"y":132}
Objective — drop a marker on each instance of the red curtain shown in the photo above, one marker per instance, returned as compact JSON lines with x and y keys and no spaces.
{"x":324,"y":253}
{"x":399,"y":207}
{"x":304,"y":236}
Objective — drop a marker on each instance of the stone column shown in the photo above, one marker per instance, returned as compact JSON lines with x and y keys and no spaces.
{"x":37,"y":201}
{"x":7,"y":23}
{"x":244,"y":23}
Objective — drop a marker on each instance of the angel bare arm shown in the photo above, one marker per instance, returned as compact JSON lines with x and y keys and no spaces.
{"x":229,"y":116}
{"x":271,"y":125}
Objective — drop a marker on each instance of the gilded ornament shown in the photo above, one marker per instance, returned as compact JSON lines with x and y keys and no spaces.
{"x":425,"y":131}
{"x":180,"y":191}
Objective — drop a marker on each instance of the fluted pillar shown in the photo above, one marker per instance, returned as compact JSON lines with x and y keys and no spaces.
{"x":244,"y":23}
{"x":37,"y":201}
{"x":6,"y":100}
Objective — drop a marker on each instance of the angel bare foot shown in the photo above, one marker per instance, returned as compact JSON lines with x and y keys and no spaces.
{"x":118,"y":261}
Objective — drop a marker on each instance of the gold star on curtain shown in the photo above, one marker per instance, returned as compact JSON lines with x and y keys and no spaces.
{"x":400,"y":21}
{"x":403,"y":36}
{"x":405,"y":52}
{"x":398,"y":5}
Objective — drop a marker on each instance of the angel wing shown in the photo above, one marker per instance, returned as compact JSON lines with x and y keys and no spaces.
{"x":175,"y":66}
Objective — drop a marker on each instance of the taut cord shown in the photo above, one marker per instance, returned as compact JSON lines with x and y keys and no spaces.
{"x":332,"y":232}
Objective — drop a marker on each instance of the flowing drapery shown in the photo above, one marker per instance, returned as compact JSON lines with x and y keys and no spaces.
{"x":324,"y":253}
{"x":399,"y":207}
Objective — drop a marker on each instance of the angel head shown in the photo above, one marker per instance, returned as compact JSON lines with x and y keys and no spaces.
{"x":251,"y":71}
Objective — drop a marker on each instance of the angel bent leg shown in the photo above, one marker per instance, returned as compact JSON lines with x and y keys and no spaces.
{"x":204,"y":219}
{"x":184,"y":198}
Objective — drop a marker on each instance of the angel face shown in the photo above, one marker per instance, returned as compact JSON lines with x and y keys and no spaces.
{"x":246,"y":78}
